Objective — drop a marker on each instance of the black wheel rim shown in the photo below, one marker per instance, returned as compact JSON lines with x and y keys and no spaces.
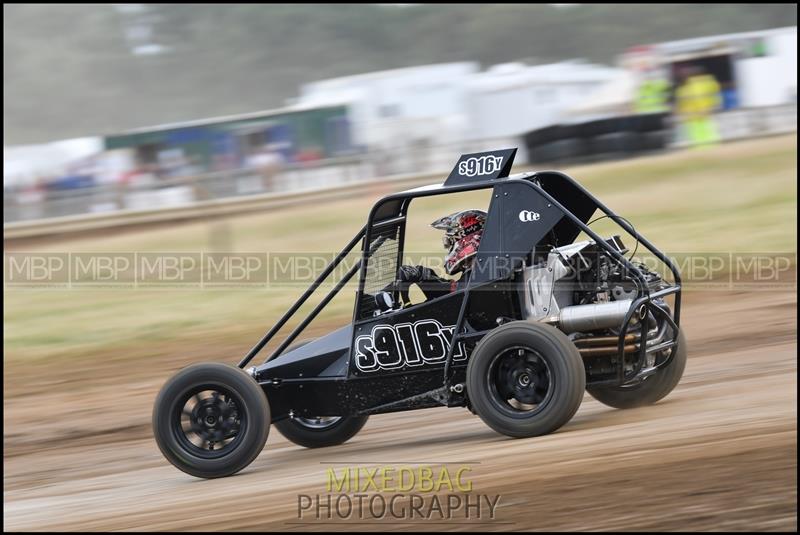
{"x":520,"y":382}
{"x":209,"y":421}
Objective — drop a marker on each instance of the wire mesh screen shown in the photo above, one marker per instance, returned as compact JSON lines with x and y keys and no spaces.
{"x":381,"y":266}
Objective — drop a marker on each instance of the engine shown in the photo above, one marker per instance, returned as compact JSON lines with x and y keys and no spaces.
{"x":586,"y":293}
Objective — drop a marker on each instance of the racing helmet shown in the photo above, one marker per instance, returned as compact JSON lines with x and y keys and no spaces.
{"x":463,"y":232}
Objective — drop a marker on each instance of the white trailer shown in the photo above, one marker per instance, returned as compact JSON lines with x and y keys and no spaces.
{"x":758,"y":68}
{"x":514,"y":98}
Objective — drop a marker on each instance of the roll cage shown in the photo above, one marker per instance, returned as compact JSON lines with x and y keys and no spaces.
{"x":563,"y":207}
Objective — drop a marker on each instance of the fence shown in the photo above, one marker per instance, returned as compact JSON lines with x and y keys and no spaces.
{"x":173,"y":192}
{"x":21,"y":208}
{"x":27,"y":206}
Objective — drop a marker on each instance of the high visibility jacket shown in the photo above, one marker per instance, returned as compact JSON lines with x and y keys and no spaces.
{"x":699,"y":95}
{"x":653,"y":97}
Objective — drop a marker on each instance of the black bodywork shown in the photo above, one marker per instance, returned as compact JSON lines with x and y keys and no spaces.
{"x":416,"y":357}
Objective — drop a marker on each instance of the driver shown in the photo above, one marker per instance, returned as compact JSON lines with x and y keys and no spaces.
{"x":463,"y":231}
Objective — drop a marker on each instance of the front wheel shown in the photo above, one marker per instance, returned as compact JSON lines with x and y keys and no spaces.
{"x":320,"y":432}
{"x":211,"y":420}
{"x":525,"y":379}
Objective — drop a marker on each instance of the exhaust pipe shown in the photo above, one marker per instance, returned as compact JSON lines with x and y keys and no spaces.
{"x":600,"y":346}
{"x":596,"y":316}
{"x":596,"y":341}
{"x":604,"y":351}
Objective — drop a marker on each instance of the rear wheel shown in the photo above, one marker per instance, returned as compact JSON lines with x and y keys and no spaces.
{"x":211,"y":420}
{"x":322,"y":431}
{"x":525,"y":379}
{"x":650,"y":389}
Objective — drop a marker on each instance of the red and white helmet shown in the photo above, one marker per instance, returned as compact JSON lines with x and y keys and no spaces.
{"x":463,"y":232}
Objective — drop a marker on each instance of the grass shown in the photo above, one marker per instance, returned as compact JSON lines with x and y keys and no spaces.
{"x":740,"y":197}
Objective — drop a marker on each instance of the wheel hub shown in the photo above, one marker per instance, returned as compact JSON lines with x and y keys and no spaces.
{"x":524,"y":379}
{"x":214,"y":419}
{"x":522,"y":376}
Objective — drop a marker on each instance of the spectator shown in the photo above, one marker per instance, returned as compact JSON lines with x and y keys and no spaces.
{"x":268,"y":163}
{"x":653,"y":94}
{"x":696,"y":100}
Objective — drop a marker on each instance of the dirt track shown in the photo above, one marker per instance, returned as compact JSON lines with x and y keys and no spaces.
{"x":718,"y":454}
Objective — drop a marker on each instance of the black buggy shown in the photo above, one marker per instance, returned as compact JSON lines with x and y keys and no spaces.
{"x":541,"y":318}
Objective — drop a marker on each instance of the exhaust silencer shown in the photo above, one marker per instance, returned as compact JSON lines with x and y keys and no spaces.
{"x":596,"y":316}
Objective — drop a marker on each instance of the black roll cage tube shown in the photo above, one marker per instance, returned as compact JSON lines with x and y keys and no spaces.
{"x":302,"y":299}
{"x":644,"y":297}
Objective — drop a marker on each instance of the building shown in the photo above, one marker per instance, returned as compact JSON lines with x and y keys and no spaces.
{"x":757,"y":68}
{"x":408,"y":104}
{"x":297,"y":133}
{"x":417,"y":117}
{"x":25,"y":165}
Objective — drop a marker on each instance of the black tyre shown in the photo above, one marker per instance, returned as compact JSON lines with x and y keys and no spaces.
{"x":650,"y":389}
{"x":525,"y":379}
{"x":320,"y":432}
{"x":211,"y":420}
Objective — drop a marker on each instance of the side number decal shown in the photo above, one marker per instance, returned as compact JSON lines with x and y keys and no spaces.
{"x":390,"y":347}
